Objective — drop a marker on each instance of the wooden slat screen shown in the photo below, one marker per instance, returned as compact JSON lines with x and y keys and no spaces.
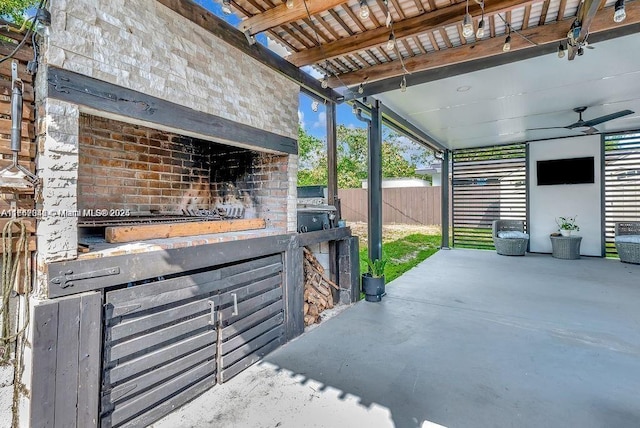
{"x":621,"y":183}
{"x":489,"y":183}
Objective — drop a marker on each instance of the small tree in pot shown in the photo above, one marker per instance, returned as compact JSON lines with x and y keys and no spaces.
{"x":373,"y":281}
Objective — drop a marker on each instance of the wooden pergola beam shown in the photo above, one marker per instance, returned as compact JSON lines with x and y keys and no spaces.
{"x":550,"y":33}
{"x":281,"y":15}
{"x":415,"y":25}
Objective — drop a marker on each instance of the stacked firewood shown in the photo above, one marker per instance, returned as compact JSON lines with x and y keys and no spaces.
{"x":317,"y":289}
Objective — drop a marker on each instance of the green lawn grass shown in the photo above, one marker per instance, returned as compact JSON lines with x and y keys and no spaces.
{"x":403,"y":254}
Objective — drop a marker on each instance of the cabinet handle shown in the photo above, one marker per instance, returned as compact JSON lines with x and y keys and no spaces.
{"x":235,"y":304}
{"x":212,"y":308}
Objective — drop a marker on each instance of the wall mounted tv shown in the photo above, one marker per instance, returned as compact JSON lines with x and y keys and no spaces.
{"x":565,"y":171}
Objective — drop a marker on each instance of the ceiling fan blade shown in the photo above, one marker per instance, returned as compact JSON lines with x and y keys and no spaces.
{"x":550,"y":127}
{"x":602,"y":119}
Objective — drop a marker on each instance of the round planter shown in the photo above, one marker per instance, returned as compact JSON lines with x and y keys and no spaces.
{"x":565,"y":232}
{"x":372,"y":287}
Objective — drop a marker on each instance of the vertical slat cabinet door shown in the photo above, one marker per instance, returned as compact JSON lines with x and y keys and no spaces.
{"x":66,"y":361}
{"x":161,"y":336}
{"x":251,"y":320}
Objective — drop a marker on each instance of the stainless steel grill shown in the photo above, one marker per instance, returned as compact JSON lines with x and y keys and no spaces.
{"x":313,"y":211}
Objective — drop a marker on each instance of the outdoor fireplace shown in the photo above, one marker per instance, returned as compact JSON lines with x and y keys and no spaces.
{"x":131,"y":175}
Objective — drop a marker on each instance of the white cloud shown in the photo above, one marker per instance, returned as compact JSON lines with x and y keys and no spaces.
{"x":301,"y":119}
{"x":322,"y":120}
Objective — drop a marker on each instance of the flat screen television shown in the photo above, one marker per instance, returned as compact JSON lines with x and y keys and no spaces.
{"x":565,"y":171}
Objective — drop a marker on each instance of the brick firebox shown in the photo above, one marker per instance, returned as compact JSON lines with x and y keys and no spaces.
{"x":145,"y":171}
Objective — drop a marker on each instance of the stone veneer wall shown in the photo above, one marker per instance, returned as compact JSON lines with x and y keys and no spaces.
{"x":144,"y":46}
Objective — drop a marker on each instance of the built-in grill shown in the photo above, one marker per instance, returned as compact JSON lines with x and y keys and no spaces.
{"x":138,"y":183}
{"x":314,"y":213}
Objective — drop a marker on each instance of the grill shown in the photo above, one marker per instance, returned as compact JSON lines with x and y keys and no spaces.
{"x":313,"y":211}
{"x":139,"y":220}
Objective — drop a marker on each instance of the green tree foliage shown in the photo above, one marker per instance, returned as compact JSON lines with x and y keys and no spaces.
{"x":13,"y":10}
{"x":312,"y":159}
{"x":399,"y":159}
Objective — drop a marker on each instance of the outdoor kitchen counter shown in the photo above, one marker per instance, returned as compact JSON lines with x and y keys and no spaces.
{"x":100,"y":248}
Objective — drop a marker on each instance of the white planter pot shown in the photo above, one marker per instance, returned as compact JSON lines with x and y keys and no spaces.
{"x":565,"y":232}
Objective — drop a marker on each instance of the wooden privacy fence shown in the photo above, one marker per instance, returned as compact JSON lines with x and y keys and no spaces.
{"x":406,"y":205}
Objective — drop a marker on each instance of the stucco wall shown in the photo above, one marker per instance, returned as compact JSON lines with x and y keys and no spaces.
{"x":547,"y":203}
{"x":144,"y":46}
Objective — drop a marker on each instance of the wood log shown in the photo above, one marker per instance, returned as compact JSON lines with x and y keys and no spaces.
{"x":306,"y":308}
{"x":118,"y":234}
{"x":312,"y":258}
{"x":308,"y":320}
{"x":318,"y":287}
{"x":313,"y":310}
{"x":317,"y":300}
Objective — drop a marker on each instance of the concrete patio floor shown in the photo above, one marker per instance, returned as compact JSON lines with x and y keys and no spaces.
{"x":466,"y":339}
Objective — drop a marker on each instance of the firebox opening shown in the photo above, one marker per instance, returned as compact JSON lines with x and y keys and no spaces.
{"x":131,"y":175}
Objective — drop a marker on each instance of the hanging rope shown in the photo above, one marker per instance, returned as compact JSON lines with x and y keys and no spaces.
{"x":10,"y":266}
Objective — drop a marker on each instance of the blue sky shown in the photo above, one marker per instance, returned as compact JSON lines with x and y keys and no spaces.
{"x":313,"y":122}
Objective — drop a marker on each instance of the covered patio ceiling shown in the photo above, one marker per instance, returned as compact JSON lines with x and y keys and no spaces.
{"x":467,"y":92}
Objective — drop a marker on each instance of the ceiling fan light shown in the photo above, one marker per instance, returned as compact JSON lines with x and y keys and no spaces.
{"x":620,"y":14}
{"x":507,"y":44}
{"x":480,"y":32}
{"x":561,"y":51}
{"x":467,"y":26}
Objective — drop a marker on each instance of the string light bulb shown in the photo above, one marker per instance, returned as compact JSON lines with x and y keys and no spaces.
{"x":364,"y":9}
{"x":289,"y":4}
{"x":324,"y":82}
{"x":480,"y":32}
{"x":467,"y":26}
{"x":391,"y":44}
{"x":314,"y":106}
{"x":403,"y":84}
{"x":361,"y":88}
{"x":561,"y":51}
{"x":620,"y":14}
{"x":226,"y":7}
{"x":507,"y":44}
{"x":467,"y":23}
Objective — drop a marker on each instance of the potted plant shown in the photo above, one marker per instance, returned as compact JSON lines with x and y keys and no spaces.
{"x":373,"y":280}
{"x":567,"y":225}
